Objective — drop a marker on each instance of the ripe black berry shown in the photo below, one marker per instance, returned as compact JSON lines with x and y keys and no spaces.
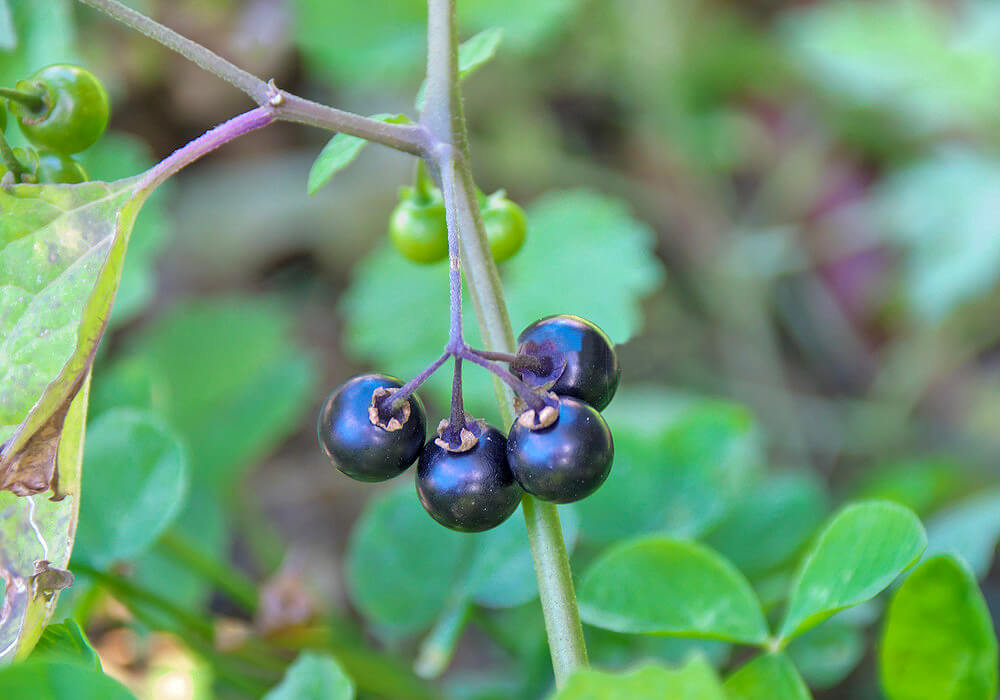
{"x":468,"y":491}
{"x":566,"y":460}
{"x":575,"y":354}
{"x":363,"y":442}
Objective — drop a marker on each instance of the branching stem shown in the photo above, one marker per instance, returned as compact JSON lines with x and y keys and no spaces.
{"x":284,"y":105}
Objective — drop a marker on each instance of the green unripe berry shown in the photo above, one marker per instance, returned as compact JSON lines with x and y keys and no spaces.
{"x":73,"y":109}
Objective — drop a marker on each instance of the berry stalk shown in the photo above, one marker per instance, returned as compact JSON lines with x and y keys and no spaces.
{"x":444,"y":121}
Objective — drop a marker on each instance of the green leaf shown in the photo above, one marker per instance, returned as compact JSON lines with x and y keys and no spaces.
{"x":939,"y":640}
{"x":115,"y":156}
{"x":313,"y":677}
{"x":57,"y":680}
{"x":228,"y":413}
{"x":61,"y":252}
{"x":25,"y":607}
{"x":826,"y":654}
{"x":134,"y":484}
{"x":771,"y":522}
{"x":340,"y":151}
{"x":406,"y":335}
{"x":862,"y":549}
{"x":768,"y":677}
{"x":385,"y":42}
{"x":918,"y":70}
{"x":696,"y":680}
{"x":403,"y":569}
{"x":656,"y":585}
{"x":680,"y":464}
{"x":969,"y":529}
{"x":594,"y":235}
{"x":66,"y":642}
{"x":920,"y":483}
{"x":936,"y":212}
{"x":472,"y":55}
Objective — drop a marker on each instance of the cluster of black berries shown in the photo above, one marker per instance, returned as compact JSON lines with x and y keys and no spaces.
{"x":470,"y":477}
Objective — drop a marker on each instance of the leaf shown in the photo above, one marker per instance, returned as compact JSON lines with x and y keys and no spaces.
{"x":406,"y":335}
{"x":826,"y":654}
{"x":340,"y":151}
{"x":968,"y":529}
{"x":768,"y":677}
{"x":472,"y":55}
{"x":655,"y":585}
{"x":313,"y":677}
{"x":938,"y":211}
{"x":592,"y":235}
{"x":38,"y":529}
{"x":918,"y":70}
{"x":862,"y":549}
{"x":134,"y":484}
{"x":403,"y":569}
{"x":680,"y":464}
{"x":919,"y":483}
{"x":57,"y":680}
{"x":696,"y":680}
{"x":385,"y":42}
{"x":939,"y":640}
{"x":67,"y":643}
{"x":61,"y":252}
{"x":227,"y":413}
{"x":771,"y":522}
{"x":115,"y":156}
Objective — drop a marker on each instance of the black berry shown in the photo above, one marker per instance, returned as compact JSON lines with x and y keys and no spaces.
{"x":364,"y":442}
{"x":468,"y":491}
{"x":572,"y":357}
{"x":566,"y":460}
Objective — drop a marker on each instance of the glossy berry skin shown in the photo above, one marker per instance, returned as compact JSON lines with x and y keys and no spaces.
{"x":565,"y":461}
{"x":419,"y":229}
{"x":59,"y":169}
{"x":591,"y":372}
{"x":359,"y":448}
{"x":468,"y":491}
{"x":75,"y":113}
{"x":506,"y":227}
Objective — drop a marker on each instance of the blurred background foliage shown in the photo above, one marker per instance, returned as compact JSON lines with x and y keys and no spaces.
{"x":786,"y":213}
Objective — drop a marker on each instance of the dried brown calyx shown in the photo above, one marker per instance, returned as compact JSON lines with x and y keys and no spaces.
{"x":378,"y":415}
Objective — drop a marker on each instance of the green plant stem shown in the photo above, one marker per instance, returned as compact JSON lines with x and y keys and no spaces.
{"x":439,"y":645}
{"x":445,"y":122}
{"x":30,"y":100}
{"x":286,"y":106}
{"x":237,"y":586}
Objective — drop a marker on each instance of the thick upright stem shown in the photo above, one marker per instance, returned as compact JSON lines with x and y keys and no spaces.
{"x":443,"y":118}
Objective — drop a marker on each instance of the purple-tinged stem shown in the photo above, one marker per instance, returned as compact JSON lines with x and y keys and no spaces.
{"x":394,"y":400}
{"x":527,"y":394}
{"x":455,"y":339}
{"x":206,"y":143}
{"x":456,"y":422}
{"x":516,"y":362}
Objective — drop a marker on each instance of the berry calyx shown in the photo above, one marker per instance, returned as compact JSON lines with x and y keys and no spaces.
{"x":361,"y":438}
{"x":573,"y":357}
{"x":566,"y":460}
{"x":471,"y":490}
{"x":506,"y":227}
{"x":418,"y":226}
{"x":62,"y":108}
